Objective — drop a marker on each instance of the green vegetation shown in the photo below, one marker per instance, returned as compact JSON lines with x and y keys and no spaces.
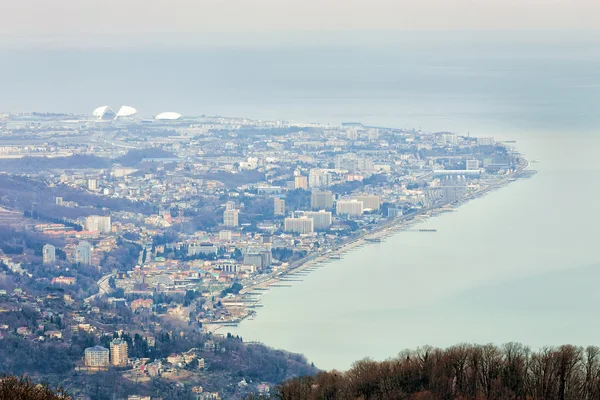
{"x":22,"y":193}
{"x":20,"y":357}
{"x":298,"y":199}
{"x":234,"y":289}
{"x":285,"y":254}
{"x":350,"y":187}
{"x":35,"y":164}
{"x":230,"y":360}
{"x":54,"y":220}
{"x":234,"y":180}
{"x":136,"y":156}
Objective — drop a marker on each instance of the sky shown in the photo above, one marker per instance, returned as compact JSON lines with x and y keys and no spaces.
{"x":114,"y":21}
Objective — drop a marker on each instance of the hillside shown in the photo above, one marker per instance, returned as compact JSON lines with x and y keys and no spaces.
{"x":465,"y":371}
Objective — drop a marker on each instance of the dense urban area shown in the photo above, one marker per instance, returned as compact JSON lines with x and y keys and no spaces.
{"x":128,"y":245}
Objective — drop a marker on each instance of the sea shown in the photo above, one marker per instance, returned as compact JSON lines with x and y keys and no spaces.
{"x":519,"y":264}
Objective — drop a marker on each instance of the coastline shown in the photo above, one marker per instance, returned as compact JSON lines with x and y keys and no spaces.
{"x":378,"y":234}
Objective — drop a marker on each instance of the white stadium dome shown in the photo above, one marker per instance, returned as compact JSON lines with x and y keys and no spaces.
{"x":169,"y":116}
{"x":103,"y":112}
{"x":126,"y":111}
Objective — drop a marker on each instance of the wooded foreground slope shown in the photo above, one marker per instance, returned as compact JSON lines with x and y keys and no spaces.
{"x":511,"y":371}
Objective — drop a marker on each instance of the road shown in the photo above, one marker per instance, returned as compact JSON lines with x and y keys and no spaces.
{"x":103,"y":287}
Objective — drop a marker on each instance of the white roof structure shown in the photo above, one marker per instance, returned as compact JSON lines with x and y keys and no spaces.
{"x":103,"y":112}
{"x":126,"y":111}
{"x":170,"y":116}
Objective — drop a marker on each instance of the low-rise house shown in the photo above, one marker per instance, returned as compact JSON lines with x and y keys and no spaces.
{"x":175,"y":359}
{"x":54,"y":334}
{"x":63,"y":280}
{"x":141,"y":304}
{"x":23,"y":330}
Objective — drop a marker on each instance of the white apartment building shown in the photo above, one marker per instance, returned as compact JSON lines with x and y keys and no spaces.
{"x":472,"y":165}
{"x":278,"y":206}
{"x":92,"y":184}
{"x":98,"y":223}
{"x":96,"y":356}
{"x":321,"y":219}
{"x":351,"y":208}
{"x":486,"y":141}
{"x":48,"y":254}
{"x":370,"y":202}
{"x":231,"y":218}
{"x":302,"y":225}
{"x":318,"y":178}
{"x":321,"y":200}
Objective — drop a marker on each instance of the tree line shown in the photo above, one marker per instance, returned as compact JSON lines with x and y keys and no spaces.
{"x":23,"y":388}
{"x":511,"y":371}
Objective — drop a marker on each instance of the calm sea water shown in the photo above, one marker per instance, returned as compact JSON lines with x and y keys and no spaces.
{"x":520,"y":264}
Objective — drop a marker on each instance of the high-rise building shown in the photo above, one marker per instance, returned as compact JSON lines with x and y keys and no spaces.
{"x":231,"y":218}
{"x":346,"y":162}
{"x":92,"y":184}
{"x":49,"y":254}
{"x":302,"y":225}
{"x":394,"y":212}
{"x":278,"y":206}
{"x":472,"y":165}
{"x":373,"y":134}
{"x":486,"y":141}
{"x":96,"y":357}
{"x":321,"y":200}
{"x":365,"y":165}
{"x":98,"y":223}
{"x":254,"y":259}
{"x":300,"y":182}
{"x":352,"y":133}
{"x":318,"y":178}
{"x":59,"y":201}
{"x":452,"y":193}
{"x":370,"y":202}
{"x":118,"y":353}
{"x":225,"y":235}
{"x":83,"y":253}
{"x":352,"y":163}
{"x":259,"y":256}
{"x":321,"y":219}
{"x":351,"y":208}
{"x":230,"y":205}
{"x":449,"y":138}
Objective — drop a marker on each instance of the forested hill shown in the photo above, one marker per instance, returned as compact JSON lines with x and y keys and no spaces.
{"x":80,"y":161}
{"x":511,"y":371}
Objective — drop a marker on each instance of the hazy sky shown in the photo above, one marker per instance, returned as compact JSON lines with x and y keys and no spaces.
{"x":66,"y":20}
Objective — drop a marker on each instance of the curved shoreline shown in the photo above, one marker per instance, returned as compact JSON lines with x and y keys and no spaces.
{"x":379,"y":233}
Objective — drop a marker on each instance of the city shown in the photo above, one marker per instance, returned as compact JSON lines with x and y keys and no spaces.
{"x":123,"y":235}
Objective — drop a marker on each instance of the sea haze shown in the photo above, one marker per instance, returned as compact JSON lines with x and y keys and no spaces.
{"x":515,"y":265}
{"x":457,"y":81}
